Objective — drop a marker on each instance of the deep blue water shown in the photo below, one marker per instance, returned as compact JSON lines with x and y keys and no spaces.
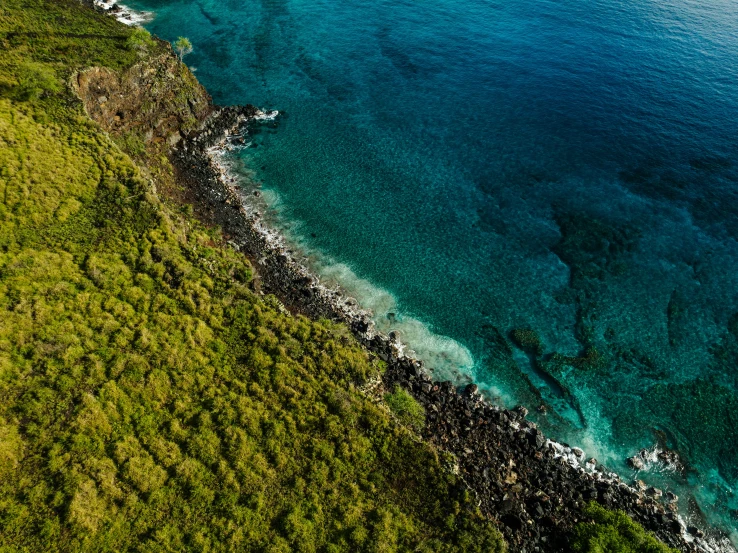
{"x":477,"y":167}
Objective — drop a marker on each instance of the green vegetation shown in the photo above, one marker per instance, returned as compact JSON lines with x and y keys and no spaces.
{"x":613,"y":532}
{"x":183,"y":46}
{"x":141,"y":40}
{"x":34,"y":79}
{"x":62,"y":35}
{"x":406,"y":408}
{"x":149,"y":400}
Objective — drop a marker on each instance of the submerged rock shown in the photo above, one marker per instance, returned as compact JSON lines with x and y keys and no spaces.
{"x":635,"y":462}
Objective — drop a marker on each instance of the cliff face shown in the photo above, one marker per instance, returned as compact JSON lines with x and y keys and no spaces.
{"x":156,"y":99}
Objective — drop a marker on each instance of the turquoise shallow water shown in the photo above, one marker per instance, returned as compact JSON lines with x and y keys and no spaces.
{"x":481,"y":167}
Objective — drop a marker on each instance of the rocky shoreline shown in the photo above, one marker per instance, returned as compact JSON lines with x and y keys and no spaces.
{"x":122,"y":13}
{"x":535,"y":488}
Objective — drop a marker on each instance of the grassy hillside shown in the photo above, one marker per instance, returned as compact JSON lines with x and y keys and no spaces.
{"x":149,"y":400}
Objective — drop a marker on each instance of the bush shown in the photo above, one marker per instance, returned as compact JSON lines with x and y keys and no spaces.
{"x":613,"y":532}
{"x":140,"y":40}
{"x":34,"y":79}
{"x":406,"y":408}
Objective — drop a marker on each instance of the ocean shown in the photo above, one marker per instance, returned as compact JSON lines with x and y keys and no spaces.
{"x":540,"y":196}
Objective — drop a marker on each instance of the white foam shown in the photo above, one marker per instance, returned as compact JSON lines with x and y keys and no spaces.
{"x":443,"y":354}
{"x":654,"y":462}
{"x":125,"y":15}
{"x":266,"y":115}
{"x":580,"y":461}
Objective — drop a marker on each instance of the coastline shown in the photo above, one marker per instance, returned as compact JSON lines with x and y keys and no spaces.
{"x":173,"y":373}
{"x":122,"y":13}
{"x":538,"y":487}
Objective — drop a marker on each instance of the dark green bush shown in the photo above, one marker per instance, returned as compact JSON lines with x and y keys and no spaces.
{"x":34,"y":79}
{"x":613,"y":532}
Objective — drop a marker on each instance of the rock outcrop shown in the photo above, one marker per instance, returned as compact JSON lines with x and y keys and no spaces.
{"x":158,"y":99}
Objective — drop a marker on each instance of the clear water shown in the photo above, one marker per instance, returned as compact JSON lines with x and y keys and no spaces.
{"x":487,"y":165}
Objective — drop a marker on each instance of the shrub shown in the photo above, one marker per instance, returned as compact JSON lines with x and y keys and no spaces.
{"x":34,"y":79}
{"x":406,"y":408}
{"x":140,"y":40}
{"x":613,"y":532}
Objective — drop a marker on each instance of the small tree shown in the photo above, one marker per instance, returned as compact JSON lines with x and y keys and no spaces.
{"x":183,"y":46}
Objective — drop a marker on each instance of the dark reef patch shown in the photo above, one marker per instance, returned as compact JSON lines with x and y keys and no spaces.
{"x":593,"y":249}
